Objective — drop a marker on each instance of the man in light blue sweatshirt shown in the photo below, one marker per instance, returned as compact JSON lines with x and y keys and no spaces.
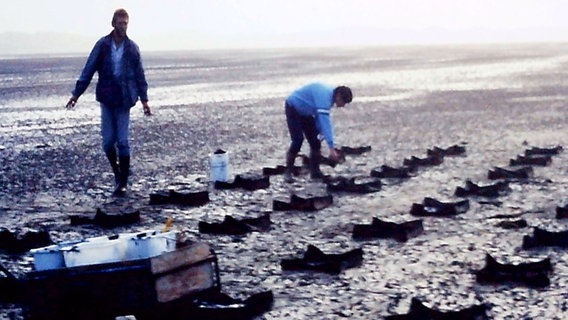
{"x":307,"y":114}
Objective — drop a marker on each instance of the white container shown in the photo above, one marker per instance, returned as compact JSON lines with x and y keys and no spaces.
{"x":48,"y":258}
{"x":220,"y":169}
{"x":147,"y":245}
{"x":95,"y":252}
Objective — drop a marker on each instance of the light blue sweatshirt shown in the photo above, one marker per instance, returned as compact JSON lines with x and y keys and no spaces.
{"x":316,"y":100}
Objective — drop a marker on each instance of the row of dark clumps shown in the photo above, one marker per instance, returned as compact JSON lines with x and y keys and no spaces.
{"x":429,"y":207}
{"x":253,"y":181}
{"x":248,"y":181}
{"x":366,"y":184}
{"x":310,"y":202}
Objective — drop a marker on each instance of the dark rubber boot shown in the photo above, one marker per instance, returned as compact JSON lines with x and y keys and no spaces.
{"x":112,"y":158}
{"x":290,"y":159}
{"x":121,"y":187}
{"x":315,"y":160}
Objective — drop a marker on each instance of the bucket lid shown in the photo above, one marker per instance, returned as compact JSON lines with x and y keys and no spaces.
{"x":219,"y":151}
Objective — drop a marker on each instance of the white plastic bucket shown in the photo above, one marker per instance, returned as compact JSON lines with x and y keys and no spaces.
{"x":48,"y":258}
{"x":147,"y":245}
{"x":220,"y":169}
{"x":51,"y":257}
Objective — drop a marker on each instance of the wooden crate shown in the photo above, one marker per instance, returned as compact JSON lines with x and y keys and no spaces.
{"x":146,"y":288}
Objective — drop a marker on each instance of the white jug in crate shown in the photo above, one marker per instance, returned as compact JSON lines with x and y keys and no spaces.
{"x":220,"y":169}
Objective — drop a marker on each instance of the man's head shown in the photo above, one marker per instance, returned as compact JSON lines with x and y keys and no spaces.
{"x":342,"y":95}
{"x":120,"y":22}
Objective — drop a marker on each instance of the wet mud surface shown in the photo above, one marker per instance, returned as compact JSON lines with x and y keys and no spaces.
{"x":52,"y":172}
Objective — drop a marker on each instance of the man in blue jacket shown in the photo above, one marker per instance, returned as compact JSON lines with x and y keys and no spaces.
{"x":121,"y":81}
{"x":307,"y":114}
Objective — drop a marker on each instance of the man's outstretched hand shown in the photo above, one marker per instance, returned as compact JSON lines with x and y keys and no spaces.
{"x":71,"y":103}
{"x":336,"y":155}
{"x":146,"y":108}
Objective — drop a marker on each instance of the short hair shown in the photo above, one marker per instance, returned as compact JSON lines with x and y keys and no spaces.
{"x":344,"y":92}
{"x":119,"y":13}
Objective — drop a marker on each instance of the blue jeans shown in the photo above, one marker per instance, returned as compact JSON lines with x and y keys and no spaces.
{"x":114,"y":130}
{"x":300,"y":126}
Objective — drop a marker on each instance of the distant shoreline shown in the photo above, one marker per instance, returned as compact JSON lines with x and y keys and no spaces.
{"x":56,"y":45}
{"x":78,"y":54}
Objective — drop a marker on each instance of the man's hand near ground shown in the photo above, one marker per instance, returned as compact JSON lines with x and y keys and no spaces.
{"x":71,"y":103}
{"x":336,"y":155}
{"x":146,"y":108}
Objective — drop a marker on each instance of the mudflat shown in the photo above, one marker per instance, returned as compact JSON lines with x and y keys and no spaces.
{"x":497,"y":101}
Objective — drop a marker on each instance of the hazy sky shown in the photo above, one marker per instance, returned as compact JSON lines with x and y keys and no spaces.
{"x":381,"y":20}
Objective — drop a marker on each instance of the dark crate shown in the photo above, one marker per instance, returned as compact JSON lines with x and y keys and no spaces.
{"x":147,"y":288}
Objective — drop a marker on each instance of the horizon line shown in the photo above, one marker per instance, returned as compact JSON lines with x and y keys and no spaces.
{"x":61,"y":54}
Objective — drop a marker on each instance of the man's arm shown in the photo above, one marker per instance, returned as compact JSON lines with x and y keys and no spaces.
{"x":88,"y":71}
{"x":323,"y":118}
{"x":323,"y":102}
{"x":325,"y":126}
{"x":141,"y":83}
{"x":86,"y":75}
{"x":326,"y":129}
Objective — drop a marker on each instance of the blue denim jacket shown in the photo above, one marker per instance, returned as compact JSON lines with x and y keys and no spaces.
{"x":118,"y":93}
